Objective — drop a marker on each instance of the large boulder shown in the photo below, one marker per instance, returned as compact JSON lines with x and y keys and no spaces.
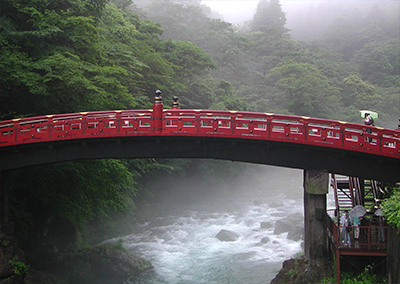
{"x":227,"y":236}
{"x":282,"y":226}
{"x":263,"y":241}
{"x":41,"y":277}
{"x":266,"y":225}
{"x":296,"y":218}
{"x":13,"y":265}
{"x":295,"y":233}
{"x":295,"y":271}
{"x":106,"y":262}
{"x":289,"y":223}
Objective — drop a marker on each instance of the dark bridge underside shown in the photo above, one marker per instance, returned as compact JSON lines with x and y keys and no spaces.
{"x":244,"y":150}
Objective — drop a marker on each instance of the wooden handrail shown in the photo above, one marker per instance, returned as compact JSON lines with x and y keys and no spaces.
{"x":189,"y":122}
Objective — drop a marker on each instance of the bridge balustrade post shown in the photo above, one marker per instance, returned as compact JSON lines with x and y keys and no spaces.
{"x":316,"y":184}
{"x":233,"y":121}
{"x":158,"y":113}
{"x":175,"y":103}
{"x":304,"y":121}
{"x":269,"y":124}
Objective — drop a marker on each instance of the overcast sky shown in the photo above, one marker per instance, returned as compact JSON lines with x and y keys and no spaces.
{"x":242,"y":10}
{"x":235,"y":11}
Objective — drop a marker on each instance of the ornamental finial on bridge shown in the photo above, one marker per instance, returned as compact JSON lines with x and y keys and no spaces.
{"x":175,"y":104}
{"x":158,"y":97}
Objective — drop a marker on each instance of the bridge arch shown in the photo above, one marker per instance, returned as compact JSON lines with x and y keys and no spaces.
{"x":242,"y":150}
{"x":262,"y":138}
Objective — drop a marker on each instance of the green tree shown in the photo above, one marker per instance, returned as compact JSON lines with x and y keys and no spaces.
{"x":357,"y":92}
{"x":269,"y":17}
{"x":379,"y":63}
{"x":56,"y":54}
{"x":188,"y":60}
{"x":304,"y":89}
{"x":391,"y":209}
{"x":341,"y":36}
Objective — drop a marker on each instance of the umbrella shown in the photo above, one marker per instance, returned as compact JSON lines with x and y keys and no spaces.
{"x":378,"y":212}
{"x":372,"y":113}
{"x":357,"y":211}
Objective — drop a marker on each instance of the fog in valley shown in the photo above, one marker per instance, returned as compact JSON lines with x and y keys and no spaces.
{"x":198,"y":229}
{"x":259,"y":207}
{"x":305,"y":18}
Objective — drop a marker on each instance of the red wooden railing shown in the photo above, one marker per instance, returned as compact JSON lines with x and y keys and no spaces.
{"x":368,"y":244}
{"x":189,"y":122}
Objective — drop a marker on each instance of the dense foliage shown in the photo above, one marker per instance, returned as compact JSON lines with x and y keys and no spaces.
{"x":70,"y":56}
{"x":352,"y":64}
{"x":391,"y":209}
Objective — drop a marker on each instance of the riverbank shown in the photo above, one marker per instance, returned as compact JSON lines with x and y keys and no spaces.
{"x":297,"y":271}
{"x":90,"y":265}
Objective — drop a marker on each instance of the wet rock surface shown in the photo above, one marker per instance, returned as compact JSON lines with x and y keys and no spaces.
{"x":297,"y":271}
{"x":227,"y":236}
{"x":86,"y":266}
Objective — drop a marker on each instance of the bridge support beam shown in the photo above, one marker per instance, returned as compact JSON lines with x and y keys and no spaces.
{"x":316,"y":185}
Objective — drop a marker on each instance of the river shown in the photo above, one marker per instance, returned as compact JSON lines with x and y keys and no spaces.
{"x":184,"y":250}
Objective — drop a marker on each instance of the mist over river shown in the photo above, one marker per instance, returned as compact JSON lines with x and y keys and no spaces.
{"x":183,"y":248}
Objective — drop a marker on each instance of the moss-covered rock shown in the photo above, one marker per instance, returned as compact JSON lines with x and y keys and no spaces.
{"x":13,"y":265}
{"x":86,"y":266}
{"x":297,"y":271}
{"x":105,"y":262}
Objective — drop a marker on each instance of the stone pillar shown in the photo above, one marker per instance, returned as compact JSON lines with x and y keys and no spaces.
{"x":393,"y":256}
{"x":316,"y":185}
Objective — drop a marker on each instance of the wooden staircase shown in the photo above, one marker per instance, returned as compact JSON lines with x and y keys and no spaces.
{"x":352,"y":191}
{"x":343,"y":192}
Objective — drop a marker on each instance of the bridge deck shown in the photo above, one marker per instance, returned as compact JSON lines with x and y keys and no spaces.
{"x":283,"y":140}
{"x":185,"y":122}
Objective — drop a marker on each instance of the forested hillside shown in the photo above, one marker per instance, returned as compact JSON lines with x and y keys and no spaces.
{"x":350,"y":63}
{"x":64,"y":56}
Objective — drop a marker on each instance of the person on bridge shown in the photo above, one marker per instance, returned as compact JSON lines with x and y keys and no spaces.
{"x":345,"y":223}
{"x":381,"y":230}
{"x":368,"y":120}
{"x":356,"y":224}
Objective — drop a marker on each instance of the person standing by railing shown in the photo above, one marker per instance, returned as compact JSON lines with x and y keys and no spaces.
{"x":345,"y":223}
{"x":356,"y":224}
{"x":381,"y":230}
{"x":369,"y":121}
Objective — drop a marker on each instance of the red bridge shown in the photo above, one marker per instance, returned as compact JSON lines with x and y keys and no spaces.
{"x":265,"y":138}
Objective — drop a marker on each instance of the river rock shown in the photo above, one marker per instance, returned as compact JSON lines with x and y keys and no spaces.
{"x":12,"y":260}
{"x":102,"y":263}
{"x":36,"y":277}
{"x":282,"y":226}
{"x":265,"y":225}
{"x":296,"y":271}
{"x":263,"y":241}
{"x":295,"y":233}
{"x":295,"y":218}
{"x":227,"y":236}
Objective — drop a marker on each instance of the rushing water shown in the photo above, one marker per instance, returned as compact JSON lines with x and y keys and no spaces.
{"x":183,"y":248}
